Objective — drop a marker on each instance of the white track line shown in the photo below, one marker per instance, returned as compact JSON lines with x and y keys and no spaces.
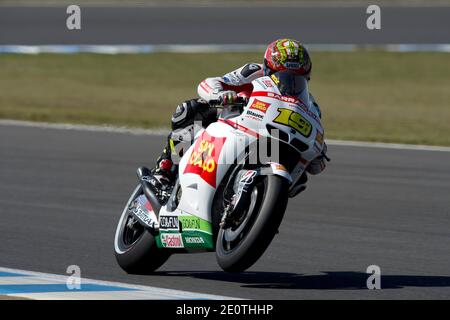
{"x":215,"y":48}
{"x":166,"y":131}
{"x":398,"y":146}
{"x":136,"y":291}
{"x":83,"y":127}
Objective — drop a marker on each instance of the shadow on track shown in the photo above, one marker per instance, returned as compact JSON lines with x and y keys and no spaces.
{"x":327,"y":281}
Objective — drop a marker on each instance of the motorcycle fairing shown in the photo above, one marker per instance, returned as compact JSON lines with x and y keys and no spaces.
{"x":203,"y":167}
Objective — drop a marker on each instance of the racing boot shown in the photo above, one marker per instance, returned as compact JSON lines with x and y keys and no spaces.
{"x":163,"y":173}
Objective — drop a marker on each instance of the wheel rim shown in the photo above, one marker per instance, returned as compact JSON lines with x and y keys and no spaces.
{"x":129,"y":231}
{"x":132,"y":231}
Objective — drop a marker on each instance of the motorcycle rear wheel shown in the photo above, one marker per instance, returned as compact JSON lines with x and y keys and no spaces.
{"x":239,"y":249}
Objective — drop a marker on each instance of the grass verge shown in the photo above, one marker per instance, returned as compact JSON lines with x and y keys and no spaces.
{"x":364,"y":95}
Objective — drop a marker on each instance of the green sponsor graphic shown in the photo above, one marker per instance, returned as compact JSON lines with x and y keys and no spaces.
{"x":196,"y":233}
{"x":195,"y":223}
{"x":191,"y":239}
{"x":195,"y":239}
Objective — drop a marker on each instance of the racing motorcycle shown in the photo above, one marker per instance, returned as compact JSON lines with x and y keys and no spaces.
{"x":227,"y":198}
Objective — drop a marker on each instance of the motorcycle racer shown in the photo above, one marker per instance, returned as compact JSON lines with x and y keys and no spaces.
{"x":282,"y":54}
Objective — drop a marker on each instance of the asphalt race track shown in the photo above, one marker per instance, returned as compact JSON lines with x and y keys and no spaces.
{"x":62,"y":191}
{"x":223,"y":25}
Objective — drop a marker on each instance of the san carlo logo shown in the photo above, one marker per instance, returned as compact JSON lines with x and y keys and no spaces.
{"x":260,"y":105}
{"x":204,"y":157}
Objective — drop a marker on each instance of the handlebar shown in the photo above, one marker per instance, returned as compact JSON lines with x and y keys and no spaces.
{"x":239,"y":101}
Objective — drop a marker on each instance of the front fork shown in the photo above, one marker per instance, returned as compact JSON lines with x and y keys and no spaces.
{"x":243,"y":181}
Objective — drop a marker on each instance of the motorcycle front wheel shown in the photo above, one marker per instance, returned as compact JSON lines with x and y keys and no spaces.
{"x":135,"y":247}
{"x":240,"y":246}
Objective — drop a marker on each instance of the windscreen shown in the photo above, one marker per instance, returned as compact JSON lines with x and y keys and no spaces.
{"x":291,"y":84}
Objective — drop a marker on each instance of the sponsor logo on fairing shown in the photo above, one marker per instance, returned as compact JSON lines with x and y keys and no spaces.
{"x":144,"y":216}
{"x":278,"y":96}
{"x":254,"y":115}
{"x":259,"y":105}
{"x":194,"y":240}
{"x":190,"y":223}
{"x":169,"y":222}
{"x":204,"y":157}
{"x":275,"y":79}
{"x":172,"y":240}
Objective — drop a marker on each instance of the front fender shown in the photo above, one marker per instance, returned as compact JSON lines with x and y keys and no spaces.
{"x":274,"y":168}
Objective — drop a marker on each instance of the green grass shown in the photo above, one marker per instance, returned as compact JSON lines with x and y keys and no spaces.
{"x":365,"y":95}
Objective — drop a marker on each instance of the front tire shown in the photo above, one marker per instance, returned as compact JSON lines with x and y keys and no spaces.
{"x":269,"y":201}
{"x":134,"y":246}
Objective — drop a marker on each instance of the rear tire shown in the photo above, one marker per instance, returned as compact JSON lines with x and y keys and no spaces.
{"x":263,"y":224}
{"x":138,"y":253}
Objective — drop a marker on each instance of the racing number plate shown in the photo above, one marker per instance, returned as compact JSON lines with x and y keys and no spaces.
{"x":294,"y":120}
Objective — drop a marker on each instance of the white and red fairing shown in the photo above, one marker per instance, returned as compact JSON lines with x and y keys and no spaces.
{"x":207,"y":161}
